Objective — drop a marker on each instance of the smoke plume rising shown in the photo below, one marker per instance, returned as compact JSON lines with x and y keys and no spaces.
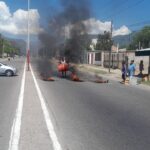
{"x":66,"y":31}
{"x":66,"y":34}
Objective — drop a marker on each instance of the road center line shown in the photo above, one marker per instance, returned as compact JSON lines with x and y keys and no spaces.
{"x":15,"y":130}
{"x":50,"y":127}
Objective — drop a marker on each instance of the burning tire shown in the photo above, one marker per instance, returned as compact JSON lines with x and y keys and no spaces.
{"x":75,"y":78}
{"x":48,"y":79}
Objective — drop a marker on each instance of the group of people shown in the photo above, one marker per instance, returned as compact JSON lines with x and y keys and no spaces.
{"x":130,"y":71}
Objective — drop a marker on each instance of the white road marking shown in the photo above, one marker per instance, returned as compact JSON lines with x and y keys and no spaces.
{"x":15,"y":130}
{"x":50,"y":127}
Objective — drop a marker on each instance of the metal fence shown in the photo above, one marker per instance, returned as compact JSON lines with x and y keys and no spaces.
{"x":116,"y":59}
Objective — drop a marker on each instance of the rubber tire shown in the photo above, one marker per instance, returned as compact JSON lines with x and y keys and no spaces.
{"x":9,"y":73}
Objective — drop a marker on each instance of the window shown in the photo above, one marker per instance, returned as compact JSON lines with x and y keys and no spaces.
{"x":97,"y":56}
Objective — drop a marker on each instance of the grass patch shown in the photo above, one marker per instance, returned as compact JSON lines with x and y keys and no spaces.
{"x":96,"y":71}
{"x":146,"y":82}
{"x":100,"y":71}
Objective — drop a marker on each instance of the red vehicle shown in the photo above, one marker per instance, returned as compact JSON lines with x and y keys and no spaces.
{"x":63,"y":68}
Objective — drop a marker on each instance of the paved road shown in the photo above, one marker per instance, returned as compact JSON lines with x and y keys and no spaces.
{"x":85,"y":116}
{"x":99,"y":116}
{"x":9,"y":91}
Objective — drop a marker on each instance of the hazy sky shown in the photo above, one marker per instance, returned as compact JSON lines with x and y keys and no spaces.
{"x":127,"y":15}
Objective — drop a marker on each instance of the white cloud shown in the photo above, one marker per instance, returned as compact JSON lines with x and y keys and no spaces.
{"x":16,"y":23}
{"x":122,"y":31}
{"x":98,"y":27}
{"x":4,"y":11}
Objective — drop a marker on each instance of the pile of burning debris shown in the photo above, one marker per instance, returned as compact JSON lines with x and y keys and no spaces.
{"x":66,"y":35}
{"x":46,"y":78}
{"x":63,"y":68}
{"x":69,"y":71}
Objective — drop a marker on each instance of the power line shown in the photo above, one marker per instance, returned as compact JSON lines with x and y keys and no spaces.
{"x":123,"y":2}
{"x":119,"y":12}
{"x":116,"y":5}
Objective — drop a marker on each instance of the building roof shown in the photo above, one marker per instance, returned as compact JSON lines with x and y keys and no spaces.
{"x":143,"y":52}
{"x":94,"y":51}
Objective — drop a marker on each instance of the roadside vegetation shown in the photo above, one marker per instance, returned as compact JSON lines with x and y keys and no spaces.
{"x":141,"y":39}
{"x":7,"y":48}
{"x":146,"y":82}
{"x":91,"y":69}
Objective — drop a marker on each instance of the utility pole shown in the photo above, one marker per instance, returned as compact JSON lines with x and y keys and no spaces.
{"x":139,"y":45}
{"x":28,"y":38}
{"x":111,"y":30}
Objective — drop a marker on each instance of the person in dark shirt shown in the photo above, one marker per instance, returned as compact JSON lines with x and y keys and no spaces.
{"x":124,"y":71}
{"x":141,"y":67}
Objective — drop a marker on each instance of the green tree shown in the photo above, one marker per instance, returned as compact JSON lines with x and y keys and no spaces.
{"x":104,"y":41}
{"x":142,"y":38}
{"x":1,"y":45}
{"x":8,"y":48}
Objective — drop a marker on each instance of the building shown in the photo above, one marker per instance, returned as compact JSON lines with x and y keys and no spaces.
{"x":98,"y":57}
{"x":95,"y":57}
{"x":144,"y":53}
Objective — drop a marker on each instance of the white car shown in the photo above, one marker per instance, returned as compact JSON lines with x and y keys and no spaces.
{"x":7,"y":70}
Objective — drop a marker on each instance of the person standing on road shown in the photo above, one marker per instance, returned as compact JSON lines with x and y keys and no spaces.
{"x":63,"y":61}
{"x":141,"y":67}
{"x":124,"y":71}
{"x":131,"y":70}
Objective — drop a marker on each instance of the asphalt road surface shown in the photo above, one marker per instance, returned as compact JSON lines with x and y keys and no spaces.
{"x":81,"y":115}
{"x":90,"y":116}
{"x":9,"y":92}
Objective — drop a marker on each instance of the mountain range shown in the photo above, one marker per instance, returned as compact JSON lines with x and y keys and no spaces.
{"x":122,"y":40}
{"x":21,"y":44}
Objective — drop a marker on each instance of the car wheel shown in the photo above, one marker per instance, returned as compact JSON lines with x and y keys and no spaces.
{"x":9,"y":73}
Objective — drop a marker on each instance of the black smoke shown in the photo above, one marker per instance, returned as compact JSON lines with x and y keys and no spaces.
{"x":71,"y":43}
{"x":55,"y":39}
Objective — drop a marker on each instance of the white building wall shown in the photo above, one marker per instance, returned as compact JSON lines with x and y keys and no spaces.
{"x":90,"y":58}
{"x":102,"y":59}
{"x":137,"y":60}
{"x":93,"y":59}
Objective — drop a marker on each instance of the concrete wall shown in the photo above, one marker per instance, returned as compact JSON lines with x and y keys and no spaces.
{"x":137,"y":60}
{"x":91,"y":59}
{"x":121,"y":55}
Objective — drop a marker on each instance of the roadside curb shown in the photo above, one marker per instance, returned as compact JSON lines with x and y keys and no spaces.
{"x":2,"y":59}
{"x":113,"y":76}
